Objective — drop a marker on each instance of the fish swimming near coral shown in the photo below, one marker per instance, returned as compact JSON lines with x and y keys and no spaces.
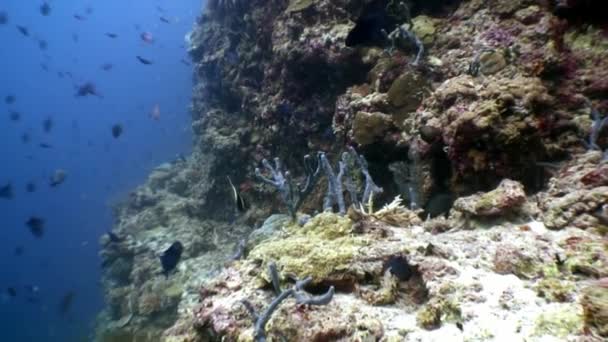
{"x":601,"y":214}
{"x":65,"y":304}
{"x":58,"y":177}
{"x":239,"y":202}
{"x":114,"y":237}
{"x":170,"y":257}
{"x":399,"y":267}
{"x":6,"y":191}
{"x":36,"y":226}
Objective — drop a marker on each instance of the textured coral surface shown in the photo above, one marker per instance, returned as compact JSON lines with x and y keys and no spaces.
{"x":483,"y":125}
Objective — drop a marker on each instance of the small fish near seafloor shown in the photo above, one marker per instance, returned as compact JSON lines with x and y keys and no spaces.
{"x":170,"y":257}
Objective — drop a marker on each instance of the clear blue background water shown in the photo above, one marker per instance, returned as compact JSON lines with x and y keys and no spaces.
{"x":101,"y":170}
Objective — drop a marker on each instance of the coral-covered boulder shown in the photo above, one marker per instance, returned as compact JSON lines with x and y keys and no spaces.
{"x":508,"y":197}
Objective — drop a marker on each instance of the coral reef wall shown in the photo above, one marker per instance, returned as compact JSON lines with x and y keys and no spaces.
{"x":480,"y":115}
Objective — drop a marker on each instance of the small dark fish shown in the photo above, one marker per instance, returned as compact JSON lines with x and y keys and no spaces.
{"x":60,"y":74}
{"x":15,"y":115}
{"x":559,"y":261}
{"x":79,"y":17}
{"x":601,"y":214}
{"x":116,"y":130}
{"x":19,"y":250}
{"x":171,"y":257}
{"x":143,"y":60}
{"x":87,"y":88}
{"x":58,"y":177}
{"x":114,"y":238}
{"x":160,"y":9}
{"x":43,"y":44}
{"x":65,"y":304}
{"x":44,"y":66}
{"x":47,"y":125}
{"x":30,"y":187}
{"x":111,"y":35}
{"x":6,"y":191}
{"x":75,"y":38}
{"x":24,"y":31}
{"x":10,"y":99}
{"x":399,"y":267}
{"x":107,"y":66}
{"x":3,"y":18}
{"x":164,"y":20}
{"x":89,"y":10}
{"x":36,"y":226}
{"x":45,"y":9}
{"x":25,"y":138}
{"x":185,"y":62}
{"x":45,"y":145}
{"x":11,"y":291}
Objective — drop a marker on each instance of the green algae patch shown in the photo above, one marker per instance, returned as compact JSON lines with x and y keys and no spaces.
{"x":560,"y":323}
{"x":554,"y":289}
{"x":436,"y":311}
{"x":425,"y":28}
{"x":323,"y":249}
{"x":588,"y":258}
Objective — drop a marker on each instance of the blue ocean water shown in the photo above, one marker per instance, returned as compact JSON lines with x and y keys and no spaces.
{"x":101,"y":169}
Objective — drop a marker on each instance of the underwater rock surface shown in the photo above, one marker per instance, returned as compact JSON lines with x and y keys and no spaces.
{"x":482,"y":126}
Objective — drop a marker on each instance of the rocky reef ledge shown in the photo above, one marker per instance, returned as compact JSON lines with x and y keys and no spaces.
{"x":378,"y":170}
